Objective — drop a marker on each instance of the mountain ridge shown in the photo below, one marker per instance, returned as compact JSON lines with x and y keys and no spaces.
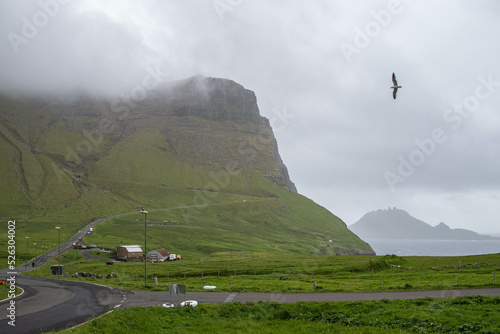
{"x":194,"y":145}
{"x":396,"y":223}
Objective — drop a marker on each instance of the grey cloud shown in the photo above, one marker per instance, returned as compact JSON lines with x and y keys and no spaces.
{"x":346,"y":130}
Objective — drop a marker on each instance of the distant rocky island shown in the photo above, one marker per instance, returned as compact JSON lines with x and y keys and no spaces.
{"x":395,"y":223}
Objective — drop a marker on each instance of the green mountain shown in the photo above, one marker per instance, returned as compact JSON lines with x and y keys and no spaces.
{"x":195,"y":153}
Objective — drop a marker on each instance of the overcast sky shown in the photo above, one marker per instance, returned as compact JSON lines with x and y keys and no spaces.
{"x":321,"y":71}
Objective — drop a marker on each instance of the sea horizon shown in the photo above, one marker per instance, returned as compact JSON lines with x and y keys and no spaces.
{"x":424,"y":247}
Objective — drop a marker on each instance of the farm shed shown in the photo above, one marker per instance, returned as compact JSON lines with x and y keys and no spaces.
{"x":158,"y":255}
{"x":129,"y":252}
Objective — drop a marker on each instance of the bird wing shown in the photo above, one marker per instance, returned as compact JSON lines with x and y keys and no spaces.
{"x":394,"y":79}
{"x":394,"y":92}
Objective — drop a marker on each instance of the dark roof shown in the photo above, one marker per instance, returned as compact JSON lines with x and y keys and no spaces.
{"x":163,"y":252}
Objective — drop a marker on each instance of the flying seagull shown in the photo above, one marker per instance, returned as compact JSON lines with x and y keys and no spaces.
{"x":395,"y":87}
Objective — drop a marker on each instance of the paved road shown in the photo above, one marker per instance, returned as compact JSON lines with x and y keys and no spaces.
{"x":360,"y":296}
{"x":51,"y":304}
{"x":148,"y":298}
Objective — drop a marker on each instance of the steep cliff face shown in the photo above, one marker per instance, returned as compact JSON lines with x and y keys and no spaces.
{"x":210,"y":98}
{"x":215,"y":122}
{"x":196,"y":152}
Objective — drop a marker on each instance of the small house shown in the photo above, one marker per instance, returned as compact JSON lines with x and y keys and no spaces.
{"x":158,"y":255}
{"x":129,"y":252}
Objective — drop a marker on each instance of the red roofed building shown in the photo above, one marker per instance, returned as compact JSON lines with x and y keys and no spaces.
{"x":158,"y":255}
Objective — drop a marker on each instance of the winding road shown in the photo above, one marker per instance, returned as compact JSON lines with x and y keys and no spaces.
{"x":55,"y":304}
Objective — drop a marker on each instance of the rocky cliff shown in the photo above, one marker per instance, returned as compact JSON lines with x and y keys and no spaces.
{"x":249,"y":137}
{"x":197,"y":148}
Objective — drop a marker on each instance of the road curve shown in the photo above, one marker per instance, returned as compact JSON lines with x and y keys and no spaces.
{"x":51,"y":304}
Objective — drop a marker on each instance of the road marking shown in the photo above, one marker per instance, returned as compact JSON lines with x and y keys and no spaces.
{"x":231,"y":297}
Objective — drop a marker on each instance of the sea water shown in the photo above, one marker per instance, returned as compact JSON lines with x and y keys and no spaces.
{"x":419,"y":247}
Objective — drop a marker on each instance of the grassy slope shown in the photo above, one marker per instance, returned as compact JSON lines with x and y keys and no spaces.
{"x":155,"y":163}
{"x":452,"y":315}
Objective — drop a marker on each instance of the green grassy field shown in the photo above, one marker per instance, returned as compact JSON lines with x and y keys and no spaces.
{"x":443,"y":315}
{"x":254,"y":272}
{"x":5,"y":291}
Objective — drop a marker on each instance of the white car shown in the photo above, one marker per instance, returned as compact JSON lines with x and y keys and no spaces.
{"x":192,"y":303}
{"x":168,"y":305}
{"x":209,"y":287}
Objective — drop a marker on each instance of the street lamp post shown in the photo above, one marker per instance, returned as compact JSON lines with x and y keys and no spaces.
{"x":145,"y":247}
{"x":59,"y":250}
{"x":26,"y":265}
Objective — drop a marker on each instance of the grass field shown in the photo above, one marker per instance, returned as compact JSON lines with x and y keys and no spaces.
{"x":443,"y":315}
{"x":253,"y":272}
{"x":5,"y":291}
